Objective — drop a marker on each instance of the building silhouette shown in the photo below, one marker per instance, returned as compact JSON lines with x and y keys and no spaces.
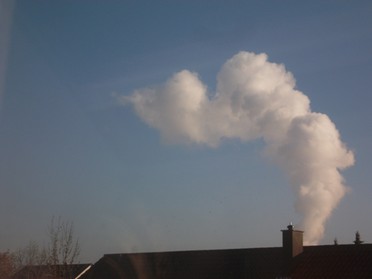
{"x":292,"y":260}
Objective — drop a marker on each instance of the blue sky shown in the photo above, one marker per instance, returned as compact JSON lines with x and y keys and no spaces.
{"x":69,"y":149}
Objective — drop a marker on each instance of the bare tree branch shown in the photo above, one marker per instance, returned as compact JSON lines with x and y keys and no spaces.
{"x":63,"y":248}
{"x":61,"y":251}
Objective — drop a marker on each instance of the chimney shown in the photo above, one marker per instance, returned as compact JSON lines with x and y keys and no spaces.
{"x":357,"y":240}
{"x":292,"y":241}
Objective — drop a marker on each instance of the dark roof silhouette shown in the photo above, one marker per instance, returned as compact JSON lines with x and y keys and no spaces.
{"x":333,"y":261}
{"x":224,"y":264}
{"x":291,"y":261}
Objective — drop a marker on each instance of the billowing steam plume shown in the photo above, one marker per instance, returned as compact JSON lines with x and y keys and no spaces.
{"x":256,"y":99}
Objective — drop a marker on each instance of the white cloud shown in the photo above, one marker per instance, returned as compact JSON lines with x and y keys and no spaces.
{"x":256,"y":99}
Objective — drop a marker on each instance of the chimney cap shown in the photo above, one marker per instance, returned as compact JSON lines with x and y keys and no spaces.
{"x":357,"y":240}
{"x":290,"y":226}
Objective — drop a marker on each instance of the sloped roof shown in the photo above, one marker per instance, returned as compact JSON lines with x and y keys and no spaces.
{"x":333,"y":261}
{"x":326,"y":262}
{"x":50,"y":271}
{"x":234,"y":263}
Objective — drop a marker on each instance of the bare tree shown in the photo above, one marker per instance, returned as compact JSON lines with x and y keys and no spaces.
{"x":63,"y":248}
{"x":31,"y":254}
{"x":55,"y":259}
